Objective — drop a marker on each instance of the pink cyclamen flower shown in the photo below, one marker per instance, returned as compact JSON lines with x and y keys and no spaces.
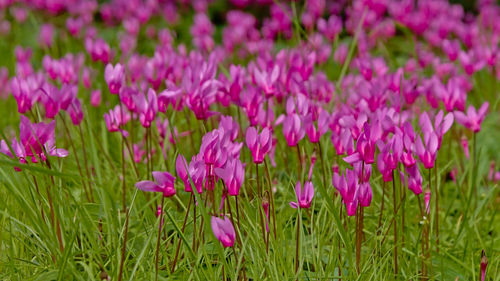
{"x":365,"y":194}
{"x":35,"y":140}
{"x":414,"y":179}
{"x":22,"y":94}
{"x":95,"y":98}
{"x":304,"y":196}
{"x":196,"y":170}
{"x":114,"y":77}
{"x":46,"y":35}
{"x":115,"y":118}
{"x":314,"y":133}
{"x":259,"y":144}
{"x":388,"y":158}
{"x":348,"y":189}
{"x":233,"y":175}
{"x":164,"y":183}
{"x":147,"y":108}
{"x":484,"y":264}
{"x":292,"y":129}
{"x":427,"y":150}
{"x":473,"y":119}
{"x":223,"y":230}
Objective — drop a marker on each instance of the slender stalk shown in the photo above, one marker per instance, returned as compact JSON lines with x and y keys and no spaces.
{"x":299,"y":158}
{"x":436,"y":195}
{"x":194,"y":222}
{"x":124,"y":247}
{"x":423,"y":242}
{"x":159,"y":237}
{"x":124,"y":202}
{"x":76,"y":159}
{"x":183,"y":227}
{"x":259,"y":193}
{"x":85,"y":162}
{"x":322,"y":164}
{"x":381,"y":208}
{"x":395,"y":226}
{"x":297,"y":243}
{"x":273,"y":211}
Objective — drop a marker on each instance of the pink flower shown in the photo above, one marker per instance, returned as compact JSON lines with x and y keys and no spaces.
{"x":427,"y":150}
{"x":147,"y":107}
{"x":414,"y":179}
{"x":35,"y":140}
{"x":259,"y":144}
{"x":196,"y":170}
{"x":114,"y":77}
{"x":233,"y":175}
{"x":164,"y":183}
{"x":46,"y":34}
{"x":95,"y":98}
{"x":304,"y":196}
{"x":484,"y":264}
{"x":115,"y":118}
{"x":292,"y":129}
{"x":389,"y":155}
{"x":323,"y":122}
{"x":22,"y":94}
{"x":473,"y":119}
{"x":348,"y":188}
{"x":223,"y":230}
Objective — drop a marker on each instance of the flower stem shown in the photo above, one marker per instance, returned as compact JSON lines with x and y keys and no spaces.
{"x":159,"y":237}
{"x":395,"y":226}
{"x":183,"y":227}
{"x":297,"y":244}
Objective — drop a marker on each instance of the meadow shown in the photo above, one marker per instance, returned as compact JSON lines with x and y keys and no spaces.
{"x":249,"y":140}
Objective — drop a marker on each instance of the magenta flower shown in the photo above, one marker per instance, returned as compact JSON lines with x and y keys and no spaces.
{"x":114,"y":77}
{"x":211,"y":150}
{"x":484,"y":264}
{"x":304,"y":196}
{"x":23,"y":94}
{"x":196,"y":170}
{"x":348,"y":189}
{"x":388,"y":158}
{"x":473,"y":119}
{"x":147,"y":108}
{"x":223,"y":230}
{"x":292,"y":129}
{"x":427,"y":150}
{"x":233,"y":175}
{"x":116,"y":118}
{"x":441,"y":124}
{"x":414,"y":179}
{"x":313,"y":133}
{"x":259,"y":144}
{"x":46,"y":35}
{"x":365,"y":194}
{"x":266,"y":81}
{"x":164,"y":183}
{"x":35,"y":140}
{"x":230,"y":127}
{"x":95,"y":98}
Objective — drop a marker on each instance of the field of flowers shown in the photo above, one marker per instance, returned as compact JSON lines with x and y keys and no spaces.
{"x":249,"y":140}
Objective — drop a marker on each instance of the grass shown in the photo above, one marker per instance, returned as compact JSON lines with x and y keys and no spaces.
{"x":93,"y":232}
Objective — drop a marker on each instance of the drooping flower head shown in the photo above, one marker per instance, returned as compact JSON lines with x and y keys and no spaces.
{"x":223,"y":230}
{"x":259,"y":144}
{"x":164,"y":183}
{"x":304,"y":195}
